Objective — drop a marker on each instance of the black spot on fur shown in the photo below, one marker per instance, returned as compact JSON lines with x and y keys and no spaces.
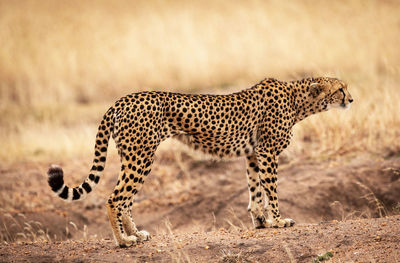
{"x":76,"y":195}
{"x":87,"y":187}
{"x":64,"y":193}
{"x":56,"y":178}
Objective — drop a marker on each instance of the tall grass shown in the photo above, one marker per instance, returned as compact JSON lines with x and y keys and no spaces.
{"x":61,"y":60}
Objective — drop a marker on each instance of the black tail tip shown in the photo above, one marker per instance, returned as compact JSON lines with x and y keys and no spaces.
{"x":56,"y":177}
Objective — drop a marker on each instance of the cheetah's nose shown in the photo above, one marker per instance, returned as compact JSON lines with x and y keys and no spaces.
{"x":350,"y":100}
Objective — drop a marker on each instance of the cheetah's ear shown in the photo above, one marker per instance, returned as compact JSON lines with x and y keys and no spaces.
{"x":317,"y":90}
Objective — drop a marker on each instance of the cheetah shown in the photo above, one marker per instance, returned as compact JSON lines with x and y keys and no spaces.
{"x":255,"y":123}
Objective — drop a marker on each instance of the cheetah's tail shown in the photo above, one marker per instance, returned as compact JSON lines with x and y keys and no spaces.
{"x":56,"y":175}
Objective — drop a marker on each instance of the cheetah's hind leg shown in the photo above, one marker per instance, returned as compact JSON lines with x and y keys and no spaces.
{"x":130,"y":226}
{"x":120,"y":203}
{"x":255,"y":193}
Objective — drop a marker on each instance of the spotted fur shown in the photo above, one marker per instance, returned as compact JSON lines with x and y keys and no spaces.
{"x":255,"y":123}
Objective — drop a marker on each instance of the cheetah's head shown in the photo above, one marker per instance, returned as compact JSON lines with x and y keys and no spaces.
{"x":331,"y":93}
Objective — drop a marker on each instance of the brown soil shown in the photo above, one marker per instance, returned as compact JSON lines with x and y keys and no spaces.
{"x":196,"y":211}
{"x":363,"y":240}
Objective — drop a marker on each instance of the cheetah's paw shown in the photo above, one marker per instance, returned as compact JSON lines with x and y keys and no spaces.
{"x":260,"y":222}
{"x":143,"y":235}
{"x":128,"y":241}
{"x":280,"y":223}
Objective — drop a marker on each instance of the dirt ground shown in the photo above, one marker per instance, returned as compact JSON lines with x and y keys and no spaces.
{"x":365,"y":240}
{"x":196,"y":211}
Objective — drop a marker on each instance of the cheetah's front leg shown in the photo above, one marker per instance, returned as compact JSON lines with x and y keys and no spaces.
{"x":267,"y":172}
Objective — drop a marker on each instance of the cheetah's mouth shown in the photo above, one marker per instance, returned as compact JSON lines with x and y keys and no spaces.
{"x":342,"y":106}
{"x":345,"y":106}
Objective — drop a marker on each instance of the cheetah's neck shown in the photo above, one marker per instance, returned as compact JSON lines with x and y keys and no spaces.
{"x":304,"y":103}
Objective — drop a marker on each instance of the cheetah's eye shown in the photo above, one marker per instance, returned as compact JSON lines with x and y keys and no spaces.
{"x":339,"y":91}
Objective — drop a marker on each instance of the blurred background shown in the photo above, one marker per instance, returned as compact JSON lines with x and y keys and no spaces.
{"x":63,"y":63}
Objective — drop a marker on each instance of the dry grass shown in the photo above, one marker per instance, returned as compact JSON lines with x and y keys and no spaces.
{"x":18,"y":229}
{"x":176,"y":253}
{"x":373,"y":201}
{"x":62,"y":62}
